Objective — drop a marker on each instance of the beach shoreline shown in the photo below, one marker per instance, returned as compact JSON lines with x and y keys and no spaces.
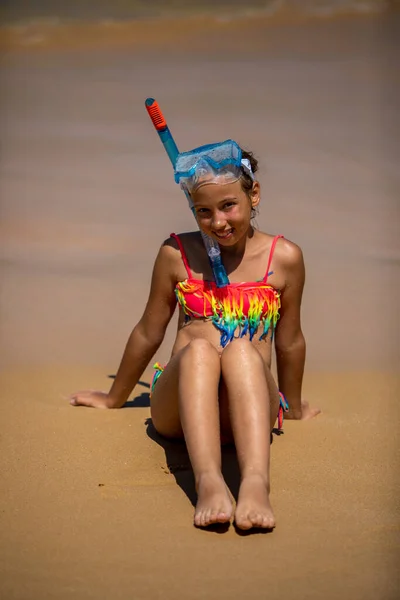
{"x":59,"y":34}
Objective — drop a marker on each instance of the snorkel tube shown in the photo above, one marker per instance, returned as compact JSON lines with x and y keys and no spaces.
{"x":213,"y":251}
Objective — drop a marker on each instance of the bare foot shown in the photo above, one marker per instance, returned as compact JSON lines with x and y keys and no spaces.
{"x":253,"y":507}
{"x":213,"y":502}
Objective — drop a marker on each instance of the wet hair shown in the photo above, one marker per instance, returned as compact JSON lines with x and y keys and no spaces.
{"x":245,"y":180}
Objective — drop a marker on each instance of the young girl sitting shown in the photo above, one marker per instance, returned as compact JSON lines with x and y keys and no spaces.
{"x":217,"y":386}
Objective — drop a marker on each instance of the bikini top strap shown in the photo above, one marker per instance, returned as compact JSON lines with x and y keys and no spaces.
{"x":271,"y":253}
{"x":183,"y":254}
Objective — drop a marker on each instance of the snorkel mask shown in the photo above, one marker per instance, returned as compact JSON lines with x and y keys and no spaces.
{"x":220,"y":163}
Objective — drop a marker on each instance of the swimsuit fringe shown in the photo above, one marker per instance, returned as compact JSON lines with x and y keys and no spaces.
{"x":157,"y":373}
{"x":227,"y":307}
{"x":283,"y":407}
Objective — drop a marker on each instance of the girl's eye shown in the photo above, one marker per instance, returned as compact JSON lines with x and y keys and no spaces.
{"x":229,"y":204}
{"x":202,"y":211}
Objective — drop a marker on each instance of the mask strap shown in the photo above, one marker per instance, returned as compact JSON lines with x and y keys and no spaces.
{"x":247,"y":167}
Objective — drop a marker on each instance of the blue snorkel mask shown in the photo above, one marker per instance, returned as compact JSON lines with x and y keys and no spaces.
{"x":220,"y":163}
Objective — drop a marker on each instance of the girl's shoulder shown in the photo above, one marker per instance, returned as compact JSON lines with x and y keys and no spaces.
{"x":187,"y":236}
{"x":188,"y":240}
{"x":287,"y":252}
{"x":186,"y":249}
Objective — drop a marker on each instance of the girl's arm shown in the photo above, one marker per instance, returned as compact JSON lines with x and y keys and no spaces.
{"x":145,"y":338}
{"x":290,"y":344}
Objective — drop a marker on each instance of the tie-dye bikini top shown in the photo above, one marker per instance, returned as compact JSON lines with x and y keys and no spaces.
{"x":236,"y":309}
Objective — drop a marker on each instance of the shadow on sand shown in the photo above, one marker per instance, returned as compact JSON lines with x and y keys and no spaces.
{"x":141,"y":401}
{"x":179,"y":466}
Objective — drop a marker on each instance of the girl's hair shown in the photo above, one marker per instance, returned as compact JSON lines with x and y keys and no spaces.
{"x":246,"y":180}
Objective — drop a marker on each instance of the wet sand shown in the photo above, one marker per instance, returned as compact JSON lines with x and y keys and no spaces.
{"x":93,"y":504}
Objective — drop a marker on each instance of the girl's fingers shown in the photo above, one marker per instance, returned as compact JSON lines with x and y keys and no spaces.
{"x":76,"y":401}
{"x":80,"y":400}
{"x":310,"y":413}
{"x":314,"y":412}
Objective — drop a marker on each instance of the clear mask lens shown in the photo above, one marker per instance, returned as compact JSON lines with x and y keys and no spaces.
{"x":214,"y":163}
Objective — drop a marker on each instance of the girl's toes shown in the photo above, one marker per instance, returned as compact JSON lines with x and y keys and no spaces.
{"x":243,"y":523}
{"x":254,"y":518}
{"x":206,"y":517}
{"x":222,"y":517}
{"x":214,"y":516}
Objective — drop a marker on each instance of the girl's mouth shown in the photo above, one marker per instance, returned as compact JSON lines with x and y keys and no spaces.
{"x":225,"y":235}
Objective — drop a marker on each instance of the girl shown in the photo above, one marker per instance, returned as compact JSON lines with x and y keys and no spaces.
{"x":217,"y":386}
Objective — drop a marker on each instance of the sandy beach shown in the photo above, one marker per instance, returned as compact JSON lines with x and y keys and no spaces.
{"x":93,"y":504}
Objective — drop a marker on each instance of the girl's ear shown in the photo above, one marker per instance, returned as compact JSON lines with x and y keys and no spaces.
{"x":255,"y":195}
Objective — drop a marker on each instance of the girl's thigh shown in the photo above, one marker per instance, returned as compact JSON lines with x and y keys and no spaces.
{"x":188,"y":364}
{"x":164,"y":404}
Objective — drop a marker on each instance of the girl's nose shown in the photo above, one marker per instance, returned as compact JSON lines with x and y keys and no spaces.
{"x":218,"y":221}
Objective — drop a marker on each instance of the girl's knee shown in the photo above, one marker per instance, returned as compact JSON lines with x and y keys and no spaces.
{"x":240,"y":347}
{"x":201,"y":348}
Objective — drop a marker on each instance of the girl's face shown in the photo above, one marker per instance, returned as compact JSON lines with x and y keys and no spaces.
{"x":223,"y":211}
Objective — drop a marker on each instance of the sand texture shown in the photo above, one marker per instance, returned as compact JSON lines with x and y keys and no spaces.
{"x":93,"y":504}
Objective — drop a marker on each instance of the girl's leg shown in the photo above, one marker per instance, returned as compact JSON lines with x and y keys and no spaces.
{"x":253,"y":407}
{"x":185,"y":400}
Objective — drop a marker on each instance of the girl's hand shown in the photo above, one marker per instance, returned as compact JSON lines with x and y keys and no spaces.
{"x":305,"y":414}
{"x":92,"y":399}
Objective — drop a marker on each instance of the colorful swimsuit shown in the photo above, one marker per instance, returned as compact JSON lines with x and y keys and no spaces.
{"x":235,"y":310}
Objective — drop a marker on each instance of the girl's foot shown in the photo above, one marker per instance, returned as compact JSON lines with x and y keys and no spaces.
{"x":213,"y":502}
{"x":253,"y":507}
